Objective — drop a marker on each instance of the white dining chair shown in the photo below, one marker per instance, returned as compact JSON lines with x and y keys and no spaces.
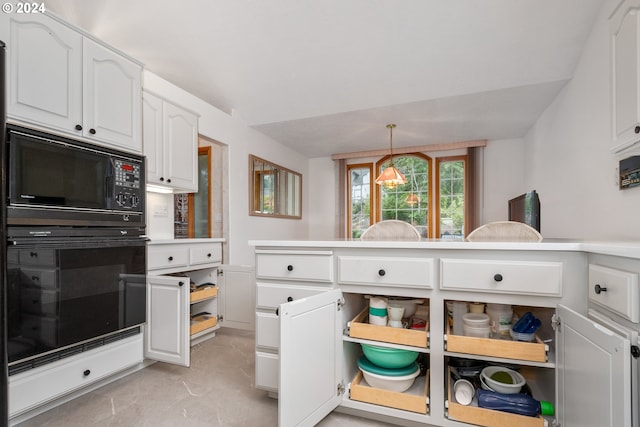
{"x":391,"y":229}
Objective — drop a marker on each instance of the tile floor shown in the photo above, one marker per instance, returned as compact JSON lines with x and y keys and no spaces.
{"x":217,"y":390}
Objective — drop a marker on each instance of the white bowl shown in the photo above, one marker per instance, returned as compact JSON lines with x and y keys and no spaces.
{"x":476,"y":319}
{"x":410,"y":305}
{"x":384,"y":382}
{"x":490,"y":384}
{"x":477,"y":331}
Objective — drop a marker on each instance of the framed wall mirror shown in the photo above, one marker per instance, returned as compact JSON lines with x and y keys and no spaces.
{"x":274,"y":191}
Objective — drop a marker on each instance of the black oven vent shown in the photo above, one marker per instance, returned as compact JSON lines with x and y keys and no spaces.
{"x":71,"y":351}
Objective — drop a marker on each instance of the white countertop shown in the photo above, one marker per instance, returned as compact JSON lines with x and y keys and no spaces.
{"x":185,"y":241}
{"x":616,"y":248}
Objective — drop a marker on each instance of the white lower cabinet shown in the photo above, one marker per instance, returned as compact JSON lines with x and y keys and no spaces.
{"x":182,"y":298}
{"x":307,"y":346}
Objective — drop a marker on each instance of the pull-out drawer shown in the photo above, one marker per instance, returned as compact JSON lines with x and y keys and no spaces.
{"x":271,"y":296}
{"x":385,"y":271}
{"x":316,"y":266}
{"x":32,"y":388}
{"x":205,"y":254}
{"x":616,"y":290}
{"x":40,"y":278}
{"x":167,"y":256}
{"x":521,"y":277}
{"x":39,"y":257}
{"x":267,"y":371}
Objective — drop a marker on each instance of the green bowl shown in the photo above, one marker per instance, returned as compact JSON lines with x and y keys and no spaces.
{"x":391,"y":358}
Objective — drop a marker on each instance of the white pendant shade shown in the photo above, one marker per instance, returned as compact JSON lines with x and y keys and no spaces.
{"x":391,"y":177}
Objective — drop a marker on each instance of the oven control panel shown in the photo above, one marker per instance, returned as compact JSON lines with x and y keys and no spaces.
{"x":128,"y":183}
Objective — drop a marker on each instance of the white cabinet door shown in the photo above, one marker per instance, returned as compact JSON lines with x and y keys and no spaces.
{"x":181,"y":148}
{"x":112,"y":97}
{"x":44,"y":59}
{"x":152,"y":145}
{"x":237,"y":293}
{"x":593,"y":373}
{"x":310,"y":359}
{"x":167,"y":332}
{"x":625,"y":73}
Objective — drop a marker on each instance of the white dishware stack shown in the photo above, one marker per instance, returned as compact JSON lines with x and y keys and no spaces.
{"x":476,"y":325}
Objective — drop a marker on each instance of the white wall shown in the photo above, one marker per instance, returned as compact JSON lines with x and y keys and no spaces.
{"x":568,"y":158}
{"x":503,"y":163}
{"x":242,"y":141}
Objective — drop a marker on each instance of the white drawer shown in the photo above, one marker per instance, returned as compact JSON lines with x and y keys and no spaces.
{"x":519,"y":277}
{"x":267,"y":330}
{"x":616,"y":290}
{"x":314,"y":266}
{"x":167,"y":256}
{"x":267,"y":371}
{"x":205,"y":254}
{"x":384,"y":271}
{"x":271,"y":296}
{"x":37,"y":386}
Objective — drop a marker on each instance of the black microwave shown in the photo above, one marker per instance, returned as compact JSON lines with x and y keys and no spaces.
{"x":62,"y":182}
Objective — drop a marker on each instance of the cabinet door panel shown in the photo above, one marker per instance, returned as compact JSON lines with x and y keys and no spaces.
{"x":181,"y":147}
{"x":167,"y":333}
{"x":267,"y":371}
{"x":112,"y":98}
{"x":152,"y":137}
{"x":311,"y":351}
{"x":44,"y":71}
{"x":594,"y":373}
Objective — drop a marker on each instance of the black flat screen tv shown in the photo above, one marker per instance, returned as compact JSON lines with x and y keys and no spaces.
{"x":526,"y":208}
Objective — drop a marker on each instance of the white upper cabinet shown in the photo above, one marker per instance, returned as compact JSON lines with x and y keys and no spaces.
{"x":170,"y":140}
{"x":111,"y":97}
{"x":61,"y":80}
{"x":625,"y":74}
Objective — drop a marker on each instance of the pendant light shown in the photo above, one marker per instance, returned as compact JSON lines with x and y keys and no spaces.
{"x":391,"y":177}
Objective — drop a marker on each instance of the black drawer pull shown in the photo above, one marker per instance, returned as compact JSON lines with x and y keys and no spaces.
{"x":289,"y":299}
{"x":78,"y":127}
{"x":33,"y":254}
{"x":92,"y":131}
{"x":208,"y":255}
{"x":381,"y":272}
{"x":35,"y":278}
{"x":599,"y":289}
{"x":168,"y":179}
{"x":290,"y":267}
{"x":161,"y":178}
{"x":180,"y":283}
{"x":170,"y":258}
{"x":86,"y":372}
{"x":637,"y":129}
{"x":497,"y":277}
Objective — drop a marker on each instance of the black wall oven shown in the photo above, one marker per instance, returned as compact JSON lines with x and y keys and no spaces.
{"x":76,"y":247}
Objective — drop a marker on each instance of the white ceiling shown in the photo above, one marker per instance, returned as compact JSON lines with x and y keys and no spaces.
{"x":326,"y":76}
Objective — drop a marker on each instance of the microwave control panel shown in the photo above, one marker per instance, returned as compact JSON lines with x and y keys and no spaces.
{"x":127,"y":191}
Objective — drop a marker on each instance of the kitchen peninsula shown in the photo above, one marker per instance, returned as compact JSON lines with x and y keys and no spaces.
{"x":309,"y":295}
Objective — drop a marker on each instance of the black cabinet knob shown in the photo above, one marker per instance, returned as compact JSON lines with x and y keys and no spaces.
{"x":599,"y":289}
{"x":170,"y":258}
{"x":86,"y":372}
{"x":637,"y":129}
{"x":290,"y":267}
{"x":289,"y":299}
{"x":78,"y":127}
{"x":92,"y":131}
{"x":33,"y":254}
{"x":180,"y":284}
{"x":161,"y":178}
{"x":381,"y":272}
{"x":208,"y":255}
{"x":168,"y":179}
{"x":497,"y":277}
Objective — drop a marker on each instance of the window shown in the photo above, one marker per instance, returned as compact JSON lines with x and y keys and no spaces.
{"x":359,"y":209}
{"x":434,"y":200}
{"x":451,"y":195}
{"x":409,"y":202}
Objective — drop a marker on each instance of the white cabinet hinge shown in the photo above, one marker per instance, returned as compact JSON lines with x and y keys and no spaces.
{"x":340,"y":303}
{"x":341,"y":388}
{"x":555,"y":322}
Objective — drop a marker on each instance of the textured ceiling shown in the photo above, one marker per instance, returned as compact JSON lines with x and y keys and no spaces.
{"x":326,"y":76}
